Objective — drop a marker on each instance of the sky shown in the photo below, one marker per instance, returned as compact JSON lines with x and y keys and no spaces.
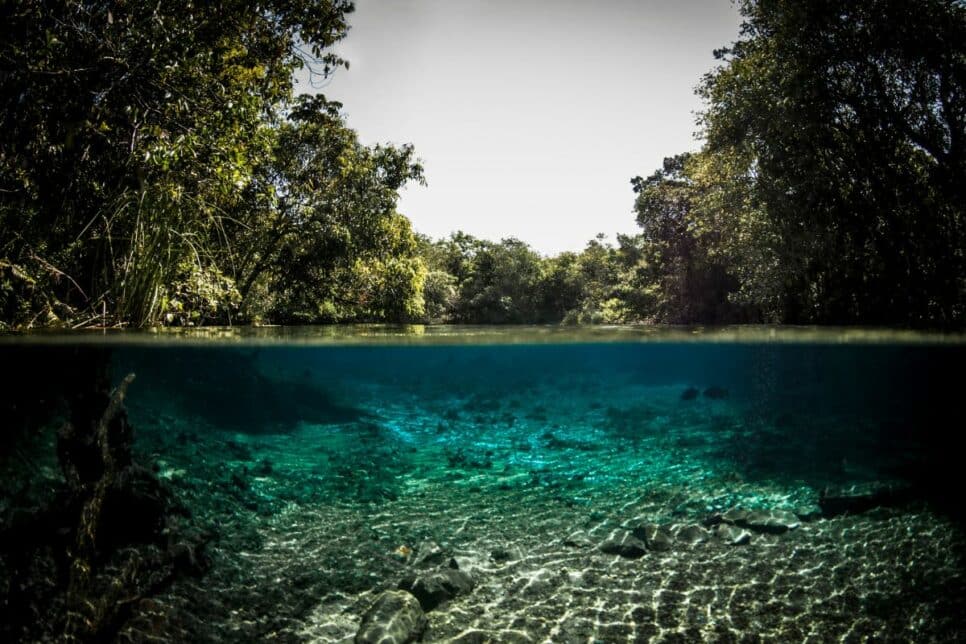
{"x":530,"y":116}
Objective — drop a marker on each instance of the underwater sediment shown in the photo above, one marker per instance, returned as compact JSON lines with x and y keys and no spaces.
{"x":575,"y":492}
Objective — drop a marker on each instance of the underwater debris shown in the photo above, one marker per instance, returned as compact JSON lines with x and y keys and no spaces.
{"x":690,"y":393}
{"x":716,"y":393}
{"x":121,"y":505}
{"x":394,"y":618}
{"x":402,"y":554}
{"x":75,"y":561}
{"x":91,"y":613}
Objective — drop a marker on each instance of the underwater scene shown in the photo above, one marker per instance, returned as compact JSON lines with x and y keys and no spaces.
{"x":516,"y":489}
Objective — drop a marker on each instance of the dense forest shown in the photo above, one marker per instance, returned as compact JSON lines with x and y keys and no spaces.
{"x":158,"y":167}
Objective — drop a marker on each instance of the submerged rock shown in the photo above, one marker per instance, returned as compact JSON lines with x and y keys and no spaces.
{"x":808,"y":513}
{"x":769,"y":521}
{"x":690,"y":393}
{"x":578,"y":539}
{"x":732,"y":535}
{"x":691,"y":534}
{"x":434,"y":588}
{"x":429,"y":553}
{"x":862,"y":498}
{"x":655,"y":537}
{"x":474,"y":636}
{"x":394,"y":618}
{"x":500,"y":555}
{"x":624,"y":544}
{"x":716,"y":393}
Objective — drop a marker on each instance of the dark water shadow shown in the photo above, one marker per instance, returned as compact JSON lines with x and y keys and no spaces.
{"x":226,"y":389}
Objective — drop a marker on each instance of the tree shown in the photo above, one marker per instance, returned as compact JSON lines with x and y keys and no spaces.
{"x":322,"y":236}
{"x":145,"y":168}
{"x":501,"y":289}
{"x":673,"y":260}
{"x":583,"y":288}
{"x":836,"y":133}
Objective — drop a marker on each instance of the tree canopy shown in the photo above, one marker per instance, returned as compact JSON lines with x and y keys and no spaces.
{"x":834,"y":165}
{"x":829,"y":188}
{"x":158,"y":166}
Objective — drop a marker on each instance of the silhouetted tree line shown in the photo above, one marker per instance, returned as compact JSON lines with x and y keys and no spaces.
{"x":158,"y":167}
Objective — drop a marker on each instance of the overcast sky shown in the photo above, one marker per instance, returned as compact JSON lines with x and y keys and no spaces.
{"x":530,"y":116}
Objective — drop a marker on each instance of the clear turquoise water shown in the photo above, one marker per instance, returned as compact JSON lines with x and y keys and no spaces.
{"x":327,"y":470}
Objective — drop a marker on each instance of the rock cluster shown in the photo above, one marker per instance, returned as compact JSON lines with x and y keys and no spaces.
{"x":734,"y":527}
{"x":399,"y":616}
{"x":650,"y":537}
{"x":691,"y":534}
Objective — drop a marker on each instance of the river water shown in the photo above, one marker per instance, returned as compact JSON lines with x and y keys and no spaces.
{"x":502,"y":485}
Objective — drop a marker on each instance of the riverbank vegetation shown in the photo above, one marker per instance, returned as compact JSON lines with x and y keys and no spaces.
{"x":158,"y":167}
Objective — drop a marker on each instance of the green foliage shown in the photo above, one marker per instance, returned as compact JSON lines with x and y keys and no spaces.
{"x":507,"y":282}
{"x":322,"y":239}
{"x":439,"y":296}
{"x":583,"y":288}
{"x":199,"y":295}
{"x":836,"y":156}
{"x":830,"y":189}
{"x":675,"y":267}
{"x":492,"y":282}
{"x":502,"y":286}
{"x":156,"y":164}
